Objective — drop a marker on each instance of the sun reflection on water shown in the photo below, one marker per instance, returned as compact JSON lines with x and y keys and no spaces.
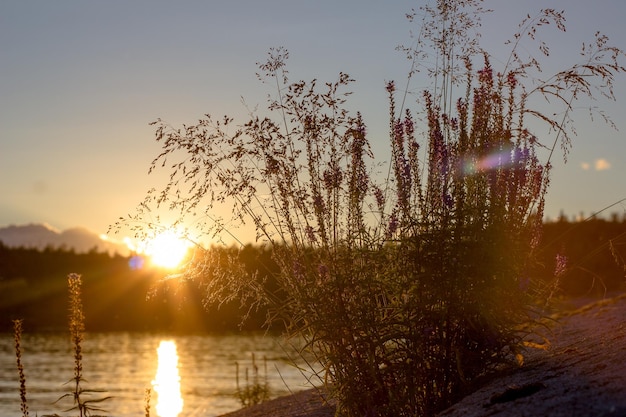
{"x":167,"y":381}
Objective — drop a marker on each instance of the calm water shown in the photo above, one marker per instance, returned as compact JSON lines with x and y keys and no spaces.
{"x":125,"y":364}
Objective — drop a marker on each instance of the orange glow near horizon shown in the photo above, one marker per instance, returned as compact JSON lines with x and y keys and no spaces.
{"x":167,"y":381}
{"x":168,"y":249}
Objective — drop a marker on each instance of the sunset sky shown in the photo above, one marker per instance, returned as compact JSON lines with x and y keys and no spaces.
{"x":81,"y":80}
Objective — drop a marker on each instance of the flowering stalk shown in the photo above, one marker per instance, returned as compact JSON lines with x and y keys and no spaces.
{"x":77,"y":329}
{"x":17,"y":331}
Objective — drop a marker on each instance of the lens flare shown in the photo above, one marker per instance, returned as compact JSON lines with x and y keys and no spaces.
{"x":167,"y":381}
{"x":167,"y":249}
{"x":472,"y":165}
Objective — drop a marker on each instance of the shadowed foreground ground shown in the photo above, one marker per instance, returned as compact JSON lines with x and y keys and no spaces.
{"x":309,"y":403}
{"x":583,"y":374}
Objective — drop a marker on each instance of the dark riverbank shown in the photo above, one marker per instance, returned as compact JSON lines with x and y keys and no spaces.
{"x":583,"y":374}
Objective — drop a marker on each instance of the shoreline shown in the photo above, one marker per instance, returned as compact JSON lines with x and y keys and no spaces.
{"x":312,"y":402}
{"x":582,"y":373}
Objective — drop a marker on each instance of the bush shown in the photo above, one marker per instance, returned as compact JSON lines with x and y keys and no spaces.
{"x":408,"y":287}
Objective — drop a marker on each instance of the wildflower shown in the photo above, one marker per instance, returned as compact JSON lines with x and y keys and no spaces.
{"x":511,"y":79}
{"x":380,"y":198}
{"x":485,"y":75}
{"x":560,"y":265}
{"x":318,"y":203}
{"x":454,"y":123}
{"x":332,"y":178}
{"x":310,"y":234}
{"x":298,"y":271}
{"x":409,"y":127}
{"x":322,"y":271}
{"x":17,"y":328}
{"x":392,"y":227}
{"x":398,"y":136}
{"x":447,"y":200}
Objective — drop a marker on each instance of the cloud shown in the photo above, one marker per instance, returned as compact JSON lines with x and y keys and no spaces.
{"x":600,"y":164}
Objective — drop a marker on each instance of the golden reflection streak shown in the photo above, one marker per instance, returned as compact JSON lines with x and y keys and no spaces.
{"x":167,"y":381}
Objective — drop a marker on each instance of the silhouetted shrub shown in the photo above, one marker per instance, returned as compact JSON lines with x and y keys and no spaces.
{"x":407,"y":286}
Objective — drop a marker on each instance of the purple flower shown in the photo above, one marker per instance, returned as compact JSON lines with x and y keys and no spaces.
{"x":380,"y":198}
{"x":322,"y":271}
{"x":398,"y":136}
{"x":454,"y":124}
{"x":318,"y":203}
{"x":511,"y":79}
{"x":409,"y":126}
{"x":332,"y":178}
{"x":392,"y":227}
{"x":447,"y":200}
{"x":310,"y":234}
{"x":560,"y":265}
{"x":298,"y":271}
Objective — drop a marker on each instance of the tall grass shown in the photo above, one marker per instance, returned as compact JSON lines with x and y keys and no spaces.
{"x":147,"y":396}
{"x":17,"y":333}
{"x":254,"y":389}
{"x":409,"y":286}
{"x":84,"y":407}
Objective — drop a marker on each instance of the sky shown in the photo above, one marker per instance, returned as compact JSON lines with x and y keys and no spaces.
{"x":81,"y":81}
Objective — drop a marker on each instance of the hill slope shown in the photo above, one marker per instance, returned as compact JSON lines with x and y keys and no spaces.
{"x":40,"y":236}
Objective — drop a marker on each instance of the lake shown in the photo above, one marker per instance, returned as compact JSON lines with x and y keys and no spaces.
{"x":202,"y":368}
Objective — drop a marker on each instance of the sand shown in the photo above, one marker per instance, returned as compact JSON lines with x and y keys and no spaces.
{"x":582,"y":374}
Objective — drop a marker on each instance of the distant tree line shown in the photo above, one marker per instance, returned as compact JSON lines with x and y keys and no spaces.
{"x":33,"y":283}
{"x":117,"y":297}
{"x":593,"y":251}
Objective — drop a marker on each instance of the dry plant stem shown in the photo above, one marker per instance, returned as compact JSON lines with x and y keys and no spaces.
{"x":77,"y":329}
{"x":17,"y":331}
{"x":84,"y":406}
{"x":254,"y":391}
{"x":147,"y":396}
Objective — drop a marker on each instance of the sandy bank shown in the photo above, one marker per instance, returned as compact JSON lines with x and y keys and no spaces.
{"x":583,"y":374}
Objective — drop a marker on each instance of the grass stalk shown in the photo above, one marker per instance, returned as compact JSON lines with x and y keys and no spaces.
{"x":17,"y":331}
{"x":255,"y":391}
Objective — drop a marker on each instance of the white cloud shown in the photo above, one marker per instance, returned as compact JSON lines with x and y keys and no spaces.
{"x":602,"y":164}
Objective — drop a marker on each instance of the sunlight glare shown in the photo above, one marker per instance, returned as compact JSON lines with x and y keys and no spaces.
{"x":167,"y":249}
{"x":167,"y":381}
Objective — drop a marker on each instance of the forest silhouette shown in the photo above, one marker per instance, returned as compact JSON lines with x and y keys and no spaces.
{"x":118,"y":297}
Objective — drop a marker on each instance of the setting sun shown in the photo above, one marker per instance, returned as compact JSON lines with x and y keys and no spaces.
{"x":168,"y":249}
